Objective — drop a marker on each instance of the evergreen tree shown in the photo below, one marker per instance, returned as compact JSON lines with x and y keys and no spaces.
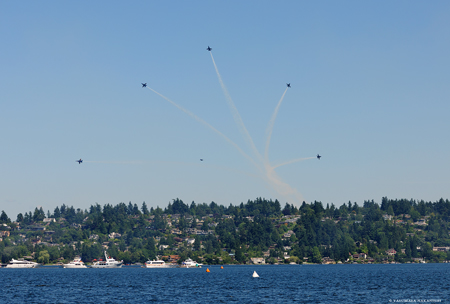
{"x":408,"y":248}
{"x":4,"y":218}
{"x":39,"y":215}
{"x":144,"y":209}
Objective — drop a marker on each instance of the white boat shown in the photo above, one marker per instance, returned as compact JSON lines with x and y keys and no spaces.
{"x":158,"y":264}
{"x":21,"y":263}
{"x":255,"y":275}
{"x":189,"y":263}
{"x":107,"y":263}
{"x":76,"y":263}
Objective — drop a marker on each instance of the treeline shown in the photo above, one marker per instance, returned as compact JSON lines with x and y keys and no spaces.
{"x":259,"y":206}
{"x":236,"y":232}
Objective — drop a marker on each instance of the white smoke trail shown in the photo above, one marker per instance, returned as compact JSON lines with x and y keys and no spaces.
{"x":292,"y":161}
{"x":282,"y":188}
{"x":210,"y":127}
{"x":235,"y":113}
{"x":270,"y":127}
{"x":270,"y":175}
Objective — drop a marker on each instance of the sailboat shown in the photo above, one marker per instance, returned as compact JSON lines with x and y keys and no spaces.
{"x":255,"y":275}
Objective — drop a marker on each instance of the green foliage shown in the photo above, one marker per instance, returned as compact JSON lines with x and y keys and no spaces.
{"x":245,"y":230}
{"x":44,"y":257}
{"x":4,"y":218}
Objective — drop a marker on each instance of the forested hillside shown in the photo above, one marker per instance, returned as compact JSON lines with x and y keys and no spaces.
{"x":394,"y":230}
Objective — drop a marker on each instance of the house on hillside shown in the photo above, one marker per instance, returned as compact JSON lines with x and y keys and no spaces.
{"x":441,"y":249}
{"x":360,"y":256}
{"x":421,"y":222}
{"x":259,"y":261}
{"x":4,"y":233}
{"x":391,"y":252}
{"x":114,"y":235}
{"x":288,"y":234}
{"x":387,"y":217}
{"x":328,"y":260}
{"x":37,"y":228}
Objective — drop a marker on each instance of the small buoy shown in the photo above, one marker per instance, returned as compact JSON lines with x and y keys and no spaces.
{"x":221,"y":267}
{"x":207,"y":270}
{"x":255,"y":275}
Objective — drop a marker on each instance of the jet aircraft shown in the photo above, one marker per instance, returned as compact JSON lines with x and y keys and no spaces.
{"x":79,"y":161}
{"x":201,"y":159}
{"x":144,"y":85}
{"x":318,"y":156}
{"x":208,"y":48}
{"x":288,"y":85}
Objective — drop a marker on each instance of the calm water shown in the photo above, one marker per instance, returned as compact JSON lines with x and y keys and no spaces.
{"x":407,"y":283}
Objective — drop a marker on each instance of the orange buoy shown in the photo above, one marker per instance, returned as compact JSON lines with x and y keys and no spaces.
{"x":207,"y":270}
{"x":221,"y":267}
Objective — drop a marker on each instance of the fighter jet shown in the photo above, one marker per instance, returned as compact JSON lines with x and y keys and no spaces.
{"x":318,"y":156}
{"x":79,"y":161}
{"x":144,"y":85}
{"x":288,"y":85}
{"x":208,"y":48}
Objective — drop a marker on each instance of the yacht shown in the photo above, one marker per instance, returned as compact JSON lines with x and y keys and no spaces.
{"x":159,"y":264}
{"x":21,"y":263}
{"x":107,"y":263}
{"x":76,"y":263}
{"x":189,"y":263}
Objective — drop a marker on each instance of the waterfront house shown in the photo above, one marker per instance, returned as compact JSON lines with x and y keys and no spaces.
{"x":258,"y":261}
{"x":360,"y":256}
{"x":328,"y":260}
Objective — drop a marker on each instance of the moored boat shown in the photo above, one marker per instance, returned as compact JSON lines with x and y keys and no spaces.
{"x":189,"y":263}
{"x":76,"y":263}
{"x":107,"y":263}
{"x":159,"y":264}
{"x":21,"y":263}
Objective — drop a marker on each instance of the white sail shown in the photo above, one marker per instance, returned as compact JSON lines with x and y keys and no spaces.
{"x":255,"y":275}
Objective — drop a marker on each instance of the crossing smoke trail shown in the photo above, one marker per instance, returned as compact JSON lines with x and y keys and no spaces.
{"x":266,"y":170}
{"x":281,"y":187}
{"x":270,"y":127}
{"x":235,"y":113}
{"x":271,"y":177}
{"x":209,"y":126}
{"x":292,"y":161}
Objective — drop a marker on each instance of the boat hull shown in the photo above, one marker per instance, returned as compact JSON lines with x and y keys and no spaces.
{"x":159,"y":264}
{"x":21,"y":266}
{"x":74,"y":266}
{"x":106,"y":265}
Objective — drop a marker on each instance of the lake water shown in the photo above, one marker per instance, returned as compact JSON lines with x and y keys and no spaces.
{"x":399,"y":283}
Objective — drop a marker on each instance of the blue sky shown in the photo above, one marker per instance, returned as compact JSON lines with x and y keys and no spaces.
{"x":370,"y":93}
